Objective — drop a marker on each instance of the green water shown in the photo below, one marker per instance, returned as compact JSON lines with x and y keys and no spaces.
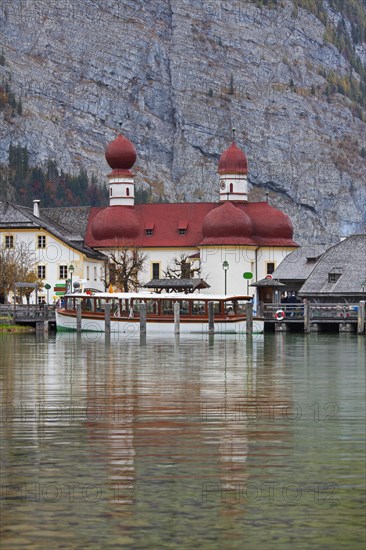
{"x":205,"y":443}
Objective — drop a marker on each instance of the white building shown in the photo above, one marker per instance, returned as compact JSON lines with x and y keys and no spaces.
{"x":243,"y":236}
{"x":229,"y":237}
{"x":56,"y":254}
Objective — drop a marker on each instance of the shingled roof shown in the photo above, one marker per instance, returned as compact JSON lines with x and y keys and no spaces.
{"x":343,"y":263}
{"x":75,"y":218}
{"x":298,"y":265}
{"x":14,"y":216}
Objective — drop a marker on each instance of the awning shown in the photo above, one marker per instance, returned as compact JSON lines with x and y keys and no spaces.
{"x":177,"y":285}
{"x":267,"y":282}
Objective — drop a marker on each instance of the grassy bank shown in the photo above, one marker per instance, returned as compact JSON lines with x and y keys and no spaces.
{"x":6,"y":327}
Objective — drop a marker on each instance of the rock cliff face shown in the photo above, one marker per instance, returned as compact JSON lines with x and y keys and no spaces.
{"x":179,"y":74}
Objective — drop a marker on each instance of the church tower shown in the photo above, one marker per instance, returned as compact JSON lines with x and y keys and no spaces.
{"x":233,"y":172}
{"x":121,"y":156}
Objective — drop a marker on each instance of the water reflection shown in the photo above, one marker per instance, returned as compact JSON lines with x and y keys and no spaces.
{"x":177,"y":443}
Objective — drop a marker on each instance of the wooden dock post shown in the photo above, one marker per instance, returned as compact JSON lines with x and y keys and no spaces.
{"x":361,"y":317}
{"x":107,"y":319}
{"x":142,"y":318}
{"x":78,"y":317}
{"x":249,"y":322}
{"x":211,"y":318}
{"x":176,"y":307}
{"x":306,"y":316}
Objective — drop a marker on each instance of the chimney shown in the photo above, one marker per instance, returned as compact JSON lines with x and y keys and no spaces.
{"x":36,"y":208}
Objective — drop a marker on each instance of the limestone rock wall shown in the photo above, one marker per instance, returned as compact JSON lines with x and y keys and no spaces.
{"x":179,"y":74}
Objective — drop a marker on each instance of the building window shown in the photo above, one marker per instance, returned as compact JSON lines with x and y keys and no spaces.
{"x":156,"y":271}
{"x":41,"y":241}
{"x":87,"y":272}
{"x":95,"y":274}
{"x":110,"y":191}
{"x":127,"y":192}
{"x":231,"y":188}
{"x":41,"y":271}
{"x":270,"y":267}
{"x":148,"y":232}
{"x":9,"y":241}
{"x":333,"y":277}
{"x":182,"y":231}
{"x":63,"y":272}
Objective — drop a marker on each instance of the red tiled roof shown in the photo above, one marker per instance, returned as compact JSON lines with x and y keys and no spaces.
{"x":111,"y":227}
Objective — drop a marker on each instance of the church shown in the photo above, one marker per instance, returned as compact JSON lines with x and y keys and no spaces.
{"x":228,"y":244}
{"x":227,"y":238}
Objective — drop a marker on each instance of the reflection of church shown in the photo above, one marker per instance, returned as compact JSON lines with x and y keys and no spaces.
{"x":250,"y":236}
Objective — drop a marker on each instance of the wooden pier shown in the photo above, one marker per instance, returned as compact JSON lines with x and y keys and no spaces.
{"x":315,"y":317}
{"x":41,"y":316}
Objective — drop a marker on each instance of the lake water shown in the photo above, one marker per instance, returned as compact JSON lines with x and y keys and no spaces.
{"x":210,"y":443}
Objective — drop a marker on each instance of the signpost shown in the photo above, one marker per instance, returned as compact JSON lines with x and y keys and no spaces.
{"x":47,"y":287}
{"x":248,"y":275}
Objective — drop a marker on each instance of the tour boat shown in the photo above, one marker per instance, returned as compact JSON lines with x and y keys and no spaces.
{"x":229,"y":313}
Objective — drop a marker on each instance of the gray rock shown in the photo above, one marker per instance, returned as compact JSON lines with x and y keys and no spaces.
{"x":180,"y":75}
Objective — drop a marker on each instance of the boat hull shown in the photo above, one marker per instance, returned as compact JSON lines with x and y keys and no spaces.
{"x":129,"y":327}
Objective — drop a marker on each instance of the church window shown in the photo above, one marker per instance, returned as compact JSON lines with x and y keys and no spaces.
{"x":156,"y":270}
{"x":231,"y":187}
{"x":127,"y":192}
{"x":270,"y":268}
{"x":110,"y":191}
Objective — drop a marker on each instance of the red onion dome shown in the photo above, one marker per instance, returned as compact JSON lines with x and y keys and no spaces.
{"x":115,"y":222}
{"x":227,"y":222}
{"x":121,"y":153}
{"x":233,"y":161}
{"x":270,"y":223}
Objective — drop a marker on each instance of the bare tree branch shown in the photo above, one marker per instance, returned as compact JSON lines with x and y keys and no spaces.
{"x":127,"y":264}
{"x":17,"y":264}
{"x":183,"y":268}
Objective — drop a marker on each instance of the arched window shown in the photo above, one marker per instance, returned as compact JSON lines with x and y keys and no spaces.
{"x":231,"y":188}
{"x":110,"y":191}
{"x":127,"y":192}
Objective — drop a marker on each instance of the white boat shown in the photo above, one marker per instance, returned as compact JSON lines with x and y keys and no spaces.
{"x":229,"y":313}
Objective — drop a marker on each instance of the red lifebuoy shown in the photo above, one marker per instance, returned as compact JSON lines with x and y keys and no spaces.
{"x":279,"y":315}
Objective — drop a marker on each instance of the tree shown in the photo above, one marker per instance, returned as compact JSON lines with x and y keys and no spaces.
{"x":127,"y":264}
{"x":182,"y":268}
{"x":17,"y":264}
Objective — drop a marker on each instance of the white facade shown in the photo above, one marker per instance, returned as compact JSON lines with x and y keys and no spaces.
{"x":233,"y":187}
{"x":241,"y":259}
{"x":121,"y":190}
{"x":52,"y":260}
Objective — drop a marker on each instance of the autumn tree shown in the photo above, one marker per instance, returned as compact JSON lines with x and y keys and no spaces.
{"x":182,"y":268}
{"x":125,"y":269}
{"x":17,"y":264}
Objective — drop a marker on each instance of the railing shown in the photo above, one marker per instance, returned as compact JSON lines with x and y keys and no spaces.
{"x":283,"y":311}
{"x":333,"y":312}
{"x":30,"y":312}
{"x":318,"y":312}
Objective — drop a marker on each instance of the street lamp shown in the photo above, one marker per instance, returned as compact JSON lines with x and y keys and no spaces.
{"x":71,"y":270}
{"x":225,"y":267}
